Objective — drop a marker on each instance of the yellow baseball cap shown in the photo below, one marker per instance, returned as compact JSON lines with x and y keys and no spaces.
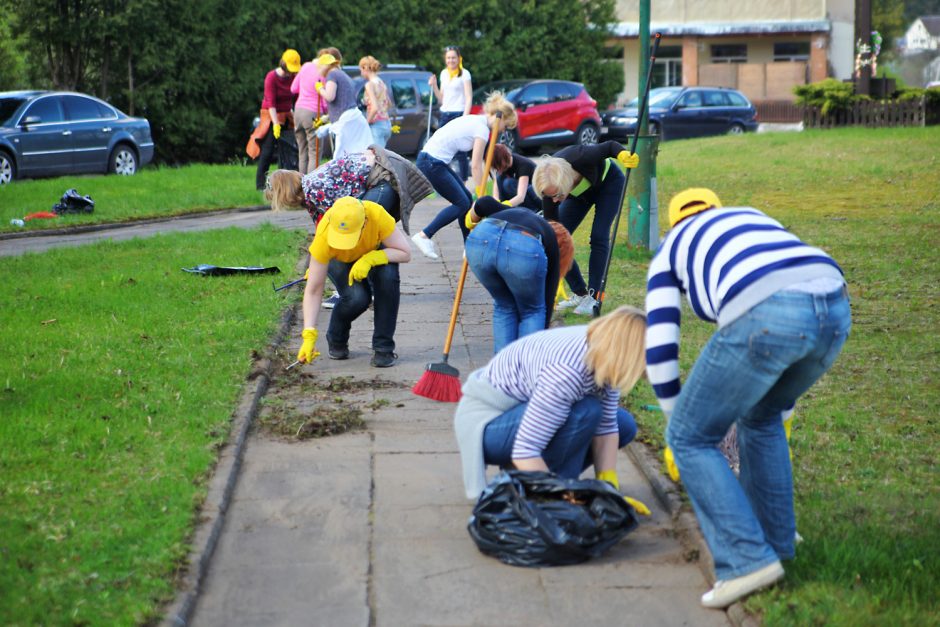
{"x":691,"y":201}
{"x":291,"y":59}
{"x":326,"y":59}
{"x":347,"y":216}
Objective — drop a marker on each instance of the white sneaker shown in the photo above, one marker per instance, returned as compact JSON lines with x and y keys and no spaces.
{"x":424,"y":244}
{"x":586,"y":307}
{"x":572,"y":301}
{"x":329,"y":303}
{"x":728,"y":591}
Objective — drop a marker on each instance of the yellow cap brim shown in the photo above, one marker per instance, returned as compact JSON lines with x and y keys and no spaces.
{"x":342,"y":241}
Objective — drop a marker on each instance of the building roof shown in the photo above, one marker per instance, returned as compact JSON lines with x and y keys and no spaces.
{"x":932,"y":24}
{"x":713,"y":29}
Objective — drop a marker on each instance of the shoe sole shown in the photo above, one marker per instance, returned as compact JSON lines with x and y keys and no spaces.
{"x":763,"y":578}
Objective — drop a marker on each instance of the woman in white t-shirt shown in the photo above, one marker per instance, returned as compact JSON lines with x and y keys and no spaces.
{"x":455,"y":95}
{"x":468,"y":132}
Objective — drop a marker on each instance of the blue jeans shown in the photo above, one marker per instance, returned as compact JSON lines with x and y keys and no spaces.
{"x":461,"y":158}
{"x":508,"y":187}
{"x":569,"y":452}
{"x":445,"y":183}
{"x":511,"y":264}
{"x":381,"y":131}
{"x":384,"y":283}
{"x":384,"y":194}
{"x":605,"y":197}
{"x":749,"y":372}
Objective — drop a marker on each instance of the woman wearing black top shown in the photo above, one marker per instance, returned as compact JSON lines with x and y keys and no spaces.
{"x":570,"y":182}
{"x":519,"y":258}
{"x":513,"y":178}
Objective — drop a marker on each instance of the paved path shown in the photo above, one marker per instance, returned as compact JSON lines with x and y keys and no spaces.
{"x":369,"y":528}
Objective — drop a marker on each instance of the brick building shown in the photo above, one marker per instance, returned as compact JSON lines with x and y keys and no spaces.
{"x":762,"y":47}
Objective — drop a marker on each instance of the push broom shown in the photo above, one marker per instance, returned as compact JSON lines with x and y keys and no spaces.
{"x":441,"y":381}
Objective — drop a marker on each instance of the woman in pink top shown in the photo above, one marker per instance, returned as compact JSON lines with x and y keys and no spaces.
{"x":307,"y":109}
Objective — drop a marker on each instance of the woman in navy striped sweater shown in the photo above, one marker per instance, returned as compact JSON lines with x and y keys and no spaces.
{"x":782,"y":312}
{"x":550,"y":401}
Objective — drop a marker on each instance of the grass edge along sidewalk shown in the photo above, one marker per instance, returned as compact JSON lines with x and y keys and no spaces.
{"x":119,"y":389}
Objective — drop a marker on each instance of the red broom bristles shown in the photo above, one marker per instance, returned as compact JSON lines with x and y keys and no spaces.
{"x":438,"y":386}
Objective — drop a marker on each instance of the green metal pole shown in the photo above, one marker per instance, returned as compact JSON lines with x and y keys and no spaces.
{"x":638,"y":233}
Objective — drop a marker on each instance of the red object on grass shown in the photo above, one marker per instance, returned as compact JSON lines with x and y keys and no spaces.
{"x":438,"y":386}
{"x":41,"y":215}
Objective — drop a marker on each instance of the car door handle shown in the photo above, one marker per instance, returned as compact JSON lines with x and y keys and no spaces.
{"x":66,"y":132}
{"x":106,"y":129}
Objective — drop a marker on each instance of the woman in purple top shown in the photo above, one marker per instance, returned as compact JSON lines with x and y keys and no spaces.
{"x":351,"y":132}
{"x":551,"y":401}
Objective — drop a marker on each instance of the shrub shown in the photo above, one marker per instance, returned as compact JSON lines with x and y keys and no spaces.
{"x":830,"y":95}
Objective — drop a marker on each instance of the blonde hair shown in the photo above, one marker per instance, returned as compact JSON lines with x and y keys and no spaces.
{"x":553,"y":172}
{"x":283,"y":190}
{"x":616,"y":348}
{"x":372,"y":64}
{"x":496,"y":103}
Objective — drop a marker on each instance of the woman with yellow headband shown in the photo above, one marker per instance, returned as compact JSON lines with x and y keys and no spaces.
{"x":455,"y":95}
{"x":351,"y":132}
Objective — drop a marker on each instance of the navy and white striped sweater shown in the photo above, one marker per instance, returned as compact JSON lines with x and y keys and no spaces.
{"x":725,"y":261}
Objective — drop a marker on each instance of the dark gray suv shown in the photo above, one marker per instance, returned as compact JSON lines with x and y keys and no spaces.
{"x":409,"y":92}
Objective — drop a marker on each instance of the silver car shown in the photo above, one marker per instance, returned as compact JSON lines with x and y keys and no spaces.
{"x":46,"y":133}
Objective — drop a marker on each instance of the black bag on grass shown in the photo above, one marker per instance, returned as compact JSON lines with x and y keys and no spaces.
{"x":288,"y":157}
{"x":540,"y":519}
{"x":73,"y":202}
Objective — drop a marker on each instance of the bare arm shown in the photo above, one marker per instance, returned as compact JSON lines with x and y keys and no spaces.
{"x":530,"y":464}
{"x":476,"y":163}
{"x":467,"y":97}
{"x":604,"y":449}
{"x":313,"y":292}
{"x":329,"y":91}
{"x":521,"y":190}
{"x":396,"y":249}
{"x":432,"y":81}
{"x":372,"y":102}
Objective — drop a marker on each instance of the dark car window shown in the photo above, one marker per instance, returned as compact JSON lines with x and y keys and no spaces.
{"x":8,"y":107}
{"x":534,"y":94}
{"x":47,"y":110}
{"x":403,"y":93}
{"x":424,"y":91}
{"x":691,"y":99}
{"x":559,"y":92}
{"x":737,"y":100}
{"x":79,"y":108}
{"x":715,"y":99}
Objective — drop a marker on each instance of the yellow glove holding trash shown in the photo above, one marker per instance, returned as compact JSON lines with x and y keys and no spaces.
{"x":671,"y":469}
{"x":307,"y":352}
{"x":628,"y":159}
{"x":364,"y":265}
{"x":508,"y":203}
{"x":277,"y":131}
{"x":468,"y":220}
{"x":320,"y":121}
{"x":610,"y":476}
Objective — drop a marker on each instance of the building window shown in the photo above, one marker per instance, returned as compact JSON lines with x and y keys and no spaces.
{"x":729,"y":53}
{"x":667,"y":71}
{"x":792,"y":51}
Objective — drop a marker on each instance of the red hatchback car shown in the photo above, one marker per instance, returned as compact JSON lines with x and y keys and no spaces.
{"x":549,"y":111}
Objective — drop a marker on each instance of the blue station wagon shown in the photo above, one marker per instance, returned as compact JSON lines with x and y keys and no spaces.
{"x":45,"y":133}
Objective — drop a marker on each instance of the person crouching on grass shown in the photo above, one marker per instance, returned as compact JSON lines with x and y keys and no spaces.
{"x":551,"y":401}
{"x":358,"y":245}
{"x":519,"y":258}
{"x":782,"y":312}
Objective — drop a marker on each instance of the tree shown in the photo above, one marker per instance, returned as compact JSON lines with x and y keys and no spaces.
{"x":12,"y":63}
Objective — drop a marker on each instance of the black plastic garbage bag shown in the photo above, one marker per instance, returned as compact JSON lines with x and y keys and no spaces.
{"x":73,"y":202}
{"x":540,"y":519}
{"x":288,"y":157}
{"x":209,"y":270}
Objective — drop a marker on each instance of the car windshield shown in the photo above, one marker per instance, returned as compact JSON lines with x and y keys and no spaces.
{"x":509,"y":88}
{"x":8,"y":107}
{"x":661,"y":97}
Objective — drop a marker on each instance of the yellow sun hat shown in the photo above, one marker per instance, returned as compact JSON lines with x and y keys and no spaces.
{"x":689,"y":202}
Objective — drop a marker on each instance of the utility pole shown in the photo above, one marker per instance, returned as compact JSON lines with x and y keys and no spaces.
{"x":638,"y":233}
{"x":863,"y":36}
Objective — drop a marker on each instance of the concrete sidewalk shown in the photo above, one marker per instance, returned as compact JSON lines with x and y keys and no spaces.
{"x":369,"y":528}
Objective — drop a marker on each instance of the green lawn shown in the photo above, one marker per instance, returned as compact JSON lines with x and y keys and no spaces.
{"x":865,"y":437}
{"x":151,"y":193}
{"x":119,"y":375}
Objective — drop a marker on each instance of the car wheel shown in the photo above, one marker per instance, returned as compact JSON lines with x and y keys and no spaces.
{"x":509,"y":139}
{"x":736,"y":129}
{"x":123,"y":161}
{"x":587,"y":135}
{"x":7,"y":168}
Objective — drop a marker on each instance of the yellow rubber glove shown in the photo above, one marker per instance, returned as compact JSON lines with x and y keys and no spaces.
{"x":307,"y":352}
{"x":364,"y":265}
{"x":561,"y":294}
{"x":277,"y":131}
{"x":320,"y":121}
{"x":396,"y":129}
{"x":468,"y":220}
{"x":507,"y":203}
{"x":787,"y":426}
{"x":671,"y":468}
{"x":318,"y":85}
{"x":610,"y":476}
{"x":307,"y":274}
{"x":628,"y":159}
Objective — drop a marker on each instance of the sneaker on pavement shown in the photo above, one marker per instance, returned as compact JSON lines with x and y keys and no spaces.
{"x":586,"y":308}
{"x":338,"y":352}
{"x":572,"y":301}
{"x":332,"y":301}
{"x":382,"y":359}
{"x":425,"y":245}
{"x":727,"y":591}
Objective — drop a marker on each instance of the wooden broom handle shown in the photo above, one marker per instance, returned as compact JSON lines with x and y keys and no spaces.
{"x":494,"y":133}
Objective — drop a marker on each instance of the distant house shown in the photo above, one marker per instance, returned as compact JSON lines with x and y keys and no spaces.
{"x":762,"y":47}
{"x":923,"y":34}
